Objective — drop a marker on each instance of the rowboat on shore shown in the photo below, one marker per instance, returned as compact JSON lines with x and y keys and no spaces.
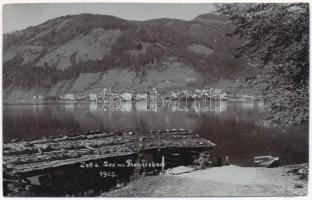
{"x":266,"y":161}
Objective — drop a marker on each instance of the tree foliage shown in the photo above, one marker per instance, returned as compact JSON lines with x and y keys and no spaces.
{"x":276,"y":36}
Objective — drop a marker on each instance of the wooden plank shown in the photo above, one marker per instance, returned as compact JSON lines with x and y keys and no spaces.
{"x":24,"y":157}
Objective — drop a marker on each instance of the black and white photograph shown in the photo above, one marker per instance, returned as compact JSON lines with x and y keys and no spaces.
{"x":146,"y":99}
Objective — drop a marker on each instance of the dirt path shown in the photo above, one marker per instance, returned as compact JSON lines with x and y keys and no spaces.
{"x":218,"y":181}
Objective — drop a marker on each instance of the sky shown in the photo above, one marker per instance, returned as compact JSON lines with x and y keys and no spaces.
{"x":20,"y":16}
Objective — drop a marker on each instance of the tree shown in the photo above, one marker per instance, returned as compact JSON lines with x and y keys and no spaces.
{"x":277,"y":37}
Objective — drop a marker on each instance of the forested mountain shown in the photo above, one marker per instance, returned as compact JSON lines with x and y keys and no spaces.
{"x":86,"y":52}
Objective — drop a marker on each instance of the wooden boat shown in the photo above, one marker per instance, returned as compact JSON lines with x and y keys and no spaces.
{"x":266,"y":161}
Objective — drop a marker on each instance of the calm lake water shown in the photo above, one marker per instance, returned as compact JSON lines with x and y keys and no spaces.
{"x":231,"y":126}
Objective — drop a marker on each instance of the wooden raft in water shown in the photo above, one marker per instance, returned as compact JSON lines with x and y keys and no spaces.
{"x":29,"y":157}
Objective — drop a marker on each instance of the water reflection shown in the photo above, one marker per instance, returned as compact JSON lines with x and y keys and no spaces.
{"x":156,"y":106}
{"x":230,"y":125}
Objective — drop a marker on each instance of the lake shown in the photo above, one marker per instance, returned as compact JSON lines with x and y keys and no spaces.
{"x":231,"y":126}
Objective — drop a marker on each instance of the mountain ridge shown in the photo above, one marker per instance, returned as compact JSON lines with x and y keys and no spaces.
{"x":65,"y":48}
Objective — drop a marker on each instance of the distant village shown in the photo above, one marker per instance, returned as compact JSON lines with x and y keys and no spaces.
{"x":185,"y":95}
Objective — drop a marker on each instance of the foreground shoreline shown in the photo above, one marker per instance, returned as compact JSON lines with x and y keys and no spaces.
{"x":102,"y":160}
{"x":220,"y":181}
